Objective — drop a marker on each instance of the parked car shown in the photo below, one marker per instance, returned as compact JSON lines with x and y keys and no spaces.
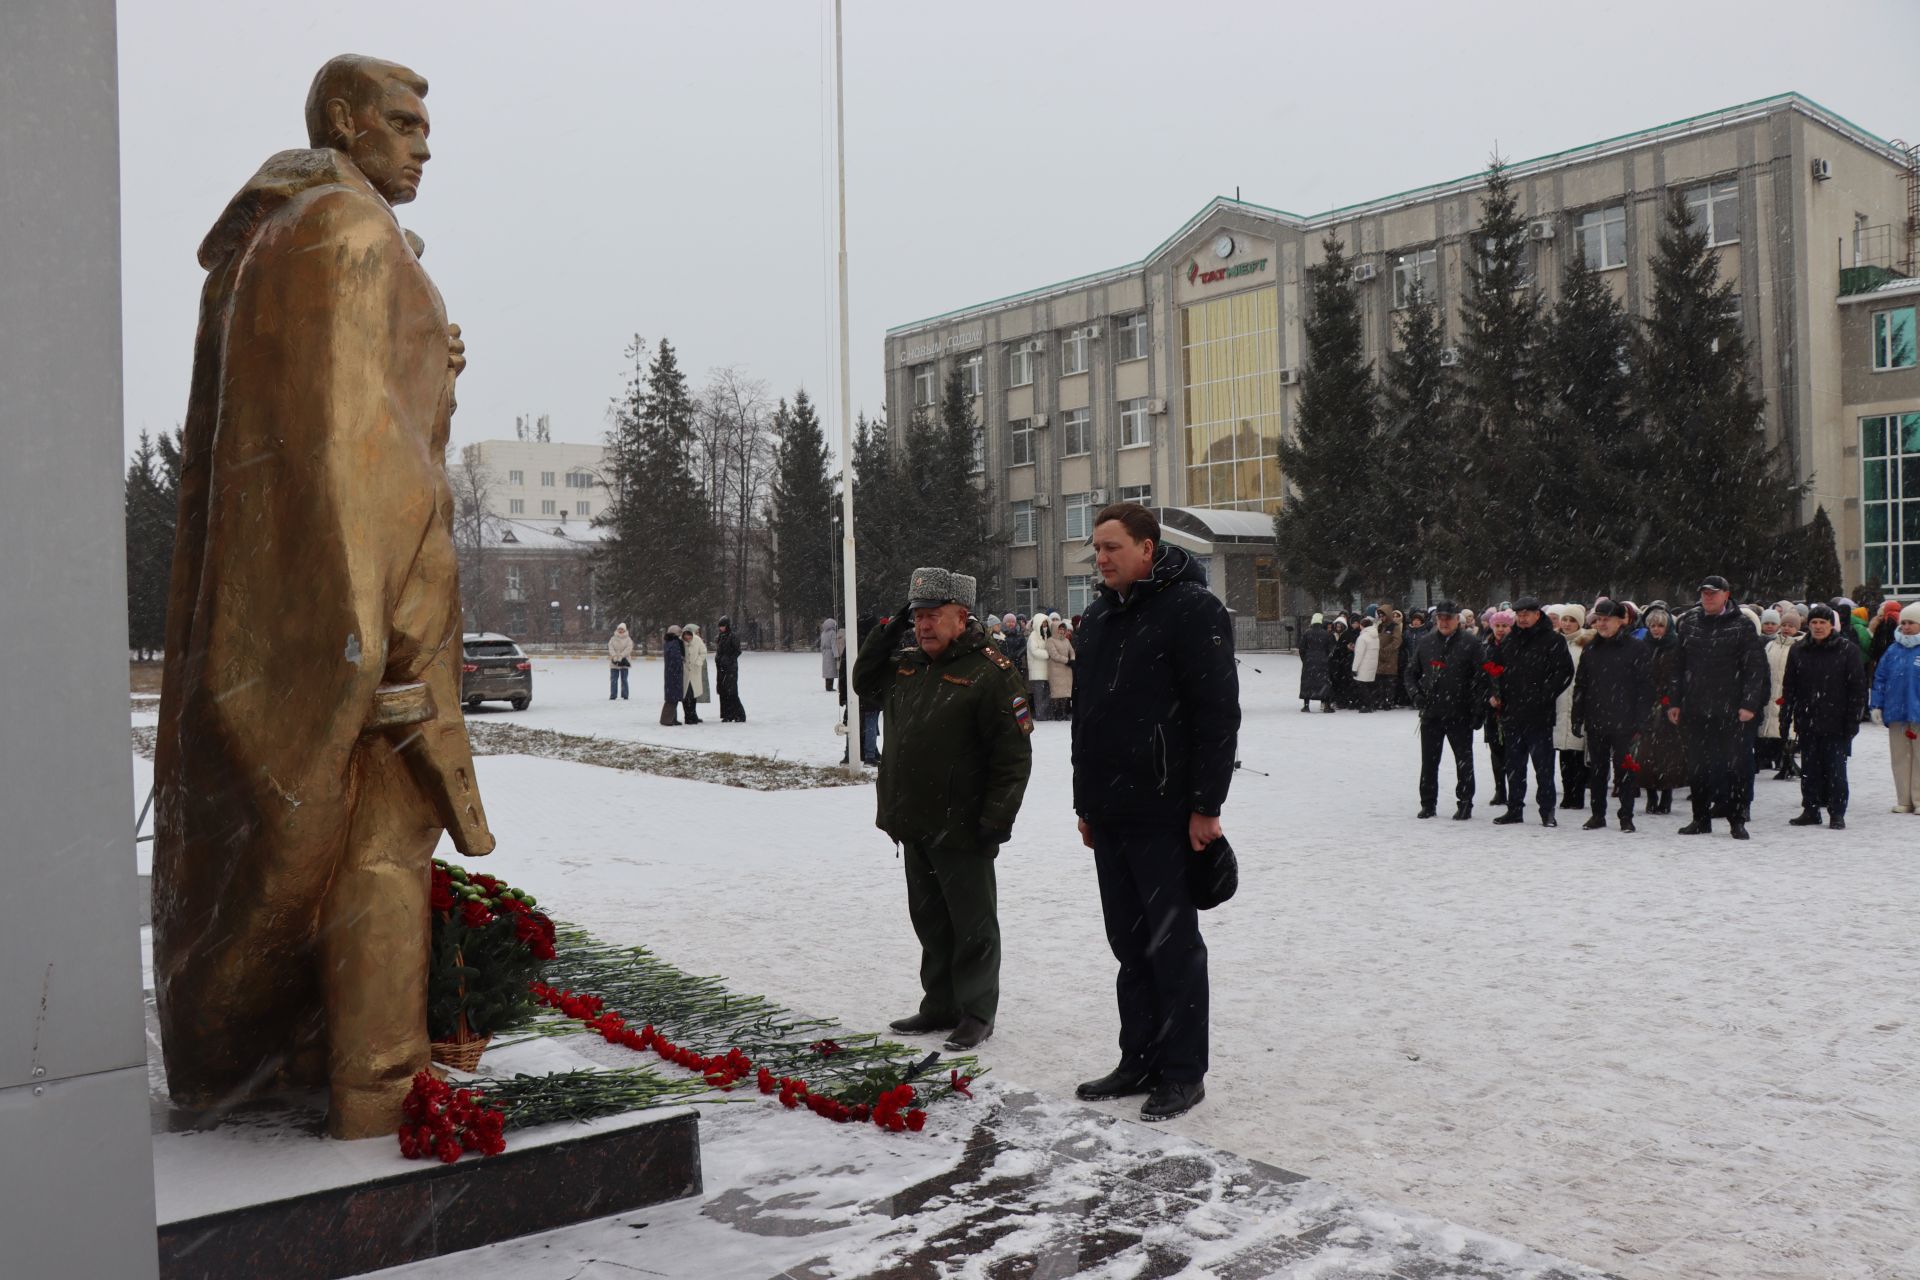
{"x":494,"y":669}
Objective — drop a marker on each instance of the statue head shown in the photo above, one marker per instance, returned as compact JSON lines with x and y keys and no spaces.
{"x":375,"y":113}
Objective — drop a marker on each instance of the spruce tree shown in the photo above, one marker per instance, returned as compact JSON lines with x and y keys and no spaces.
{"x":1819,"y":574}
{"x":1327,"y":459}
{"x":1416,"y":522}
{"x":1510,"y":532}
{"x":1726,"y":492}
{"x":621,"y":566}
{"x":1600,"y":465}
{"x":878,"y":483}
{"x":150,"y":503}
{"x":802,"y":509}
{"x":962,"y":497}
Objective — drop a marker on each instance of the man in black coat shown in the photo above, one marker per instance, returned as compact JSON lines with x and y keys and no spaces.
{"x":1822,"y":697}
{"x":1612,"y":695}
{"x":1156,"y":713}
{"x":1535,"y":668}
{"x":1724,"y":682}
{"x":1445,"y":679}
{"x":726,"y":673}
{"x":1316,"y":660}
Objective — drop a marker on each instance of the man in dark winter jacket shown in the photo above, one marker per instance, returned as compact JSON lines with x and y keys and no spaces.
{"x":1156,"y":713}
{"x":1612,"y":695}
{"x":1446,"y":682}
{"x":1535,"y":668}
{"x":1724,"y":683}
{"x":1823,"y":696}
{"x":726,"y":673}
{"x":951,"y":782}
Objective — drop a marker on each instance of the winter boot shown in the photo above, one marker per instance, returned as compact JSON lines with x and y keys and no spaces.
{"x":1547,"y":819}
{"x":921,"y":1024}
{"x":1595,"y":823}
{"x":1838,"y":822}
{"x":1171,"y":1098}
{"x":1626,"y":823}
{"x":1698,"y":827}
{"x":1511,"y":818}
{"x":1121,"y":1082}
{"x":1807,"y":818}
{"x":970,"y":1034}
{"x":1462,"y":812}
{"x":1426,"y":811}
{"x":1737,"y":828}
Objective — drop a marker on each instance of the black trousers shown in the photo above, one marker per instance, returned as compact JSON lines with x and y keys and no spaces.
{"x":1433,"y":735}
{"x":1719,"y":767}
{"x":1606,"y":754}
{"x":728,"y":686}
{"x":1823,"y":780}
{"x":1534,"y":743}
{"x":1154,"y":931}
{"x":1573,"y":777}
{"x":1497,"y":752}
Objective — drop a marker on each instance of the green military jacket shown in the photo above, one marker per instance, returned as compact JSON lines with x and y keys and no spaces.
{"x":957,"y":758}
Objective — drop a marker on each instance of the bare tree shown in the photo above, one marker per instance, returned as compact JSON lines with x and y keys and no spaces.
{"x":475,"y":528}
{"x":736,"y":460}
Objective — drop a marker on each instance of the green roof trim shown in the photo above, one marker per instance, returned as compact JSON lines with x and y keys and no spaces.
{"x":1316,"y":221}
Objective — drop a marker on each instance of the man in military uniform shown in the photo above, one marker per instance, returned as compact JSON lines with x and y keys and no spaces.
{"x":951,"y":781}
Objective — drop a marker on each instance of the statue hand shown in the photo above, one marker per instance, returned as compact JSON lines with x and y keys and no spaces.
{"x":456,"y":350}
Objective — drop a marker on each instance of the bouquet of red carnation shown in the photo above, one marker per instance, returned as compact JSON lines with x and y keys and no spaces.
{"x":489,"y":942}
{"x":438,"y":1122}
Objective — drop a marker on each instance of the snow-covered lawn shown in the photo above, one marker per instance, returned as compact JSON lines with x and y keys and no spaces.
{"x":1660,"y":1056}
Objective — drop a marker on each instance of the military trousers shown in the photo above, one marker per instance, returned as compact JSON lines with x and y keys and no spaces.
{"x":954,"y":902}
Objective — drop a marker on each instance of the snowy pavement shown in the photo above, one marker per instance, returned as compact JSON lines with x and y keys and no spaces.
{"x":1661,"y":1057}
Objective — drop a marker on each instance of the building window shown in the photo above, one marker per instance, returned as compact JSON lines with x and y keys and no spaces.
{"x":583,"y":508}
{"x":973,"y":375}
{"x":579,"y":479}
{"x":1131,"y":340}
{"x":1266,"y":590}
{"x":1602,"y":234}
{"x":977,"y":460}
{"x":1230,"y":362}
{"x":1020,"y":442}
{"x":1079,"y":593}
{"x":1133,"y":424}
{"x":1025,"y":532}
{"x":1140,"y":493}
{"x":546,"y":479}
{"x":1020,"y":361}
{"x":1073,"y":353}
{"x":516,"y":506}
{"x":1026,"y":596}
{"x":1076,"y":432}
{"x":517,"y":620}
{"x":516,"y":588}
{"x":553,"y":578}
{"x":516,"y":477}
{"x":926,"y":385}
{"x":546,"y":506}
{"x":1714,"y":208}
{"x":1415,"y":267}
{"x":1890,"y":500}
{"x":1893,"y":334}
{"x":1080,"y":511}
{"x":553,"y":619}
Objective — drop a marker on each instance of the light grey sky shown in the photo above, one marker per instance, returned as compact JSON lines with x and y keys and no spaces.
{"x":602,"y":169}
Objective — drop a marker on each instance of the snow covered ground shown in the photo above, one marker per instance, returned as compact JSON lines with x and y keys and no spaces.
{"x":1663,"y":1057}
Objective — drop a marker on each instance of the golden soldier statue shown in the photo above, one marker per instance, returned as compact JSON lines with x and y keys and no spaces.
{"x":311,"y":747}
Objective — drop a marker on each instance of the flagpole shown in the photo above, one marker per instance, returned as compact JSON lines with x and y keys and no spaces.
{"x":855,"y":767}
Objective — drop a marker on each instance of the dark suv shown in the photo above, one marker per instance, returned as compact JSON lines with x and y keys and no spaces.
{"x":493,"y":669}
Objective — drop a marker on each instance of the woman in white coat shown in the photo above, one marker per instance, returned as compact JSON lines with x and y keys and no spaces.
{"x":1570,"y":620}
{"x":1366,"y":664}
{"x":1781,"y":626}
{"x":1038,"y":692}
{"x":696,"y":682}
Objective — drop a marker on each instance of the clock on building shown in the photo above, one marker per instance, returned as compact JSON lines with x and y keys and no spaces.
{"x":1223,"y":247}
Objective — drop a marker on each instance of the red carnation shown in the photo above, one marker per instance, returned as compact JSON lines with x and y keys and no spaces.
{"x":475,"y":916}
{"x":1493,"y":669}
{"x":1629,"y":764}
{"x":916,"y":1120}
{"x":960,"y":1084}
{"x":486,"y":882}
{"x":1911,"y":735}
{"x":1665,"y":700}
{"x":1779,"y":702}
{"x":440,"y":898}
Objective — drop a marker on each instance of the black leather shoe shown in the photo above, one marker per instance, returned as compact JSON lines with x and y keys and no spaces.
{"x":1512,"y":817}
{"x":970,"y":1034}
{"x":1807,"y":818}
{"x":1462,"y":812}
{"x":1737,"y":829}
{"x":1837,"y":823}
{"x":1698,"y":827}
{"x":1574,"y":802}
{"x":1593,"y":824}
{"x":1626,"y":823}
{"x":1426,"y":811}
{"x":1548,"y":820}
{"x":1121,"y":1082}
{"x":1171,"y":1098}
{"x":923,"y":1024}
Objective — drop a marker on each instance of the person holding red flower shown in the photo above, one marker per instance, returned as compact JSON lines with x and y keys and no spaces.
{"x":1448,"y":682}
{"x":1612,"y":693}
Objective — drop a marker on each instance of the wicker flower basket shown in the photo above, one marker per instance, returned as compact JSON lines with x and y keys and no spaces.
{"x":462,"y":1055}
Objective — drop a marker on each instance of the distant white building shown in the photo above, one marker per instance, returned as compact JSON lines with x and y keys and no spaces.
{"x":542,"y":480}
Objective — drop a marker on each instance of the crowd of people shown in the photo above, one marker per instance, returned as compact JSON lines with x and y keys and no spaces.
{"x":690,"y":682}
{"x":1615,"y":701}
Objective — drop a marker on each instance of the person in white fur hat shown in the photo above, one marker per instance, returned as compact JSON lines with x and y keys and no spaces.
{"x":1570,"y":620}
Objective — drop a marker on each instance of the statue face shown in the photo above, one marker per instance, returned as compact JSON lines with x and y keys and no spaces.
{"x":388,"y":131}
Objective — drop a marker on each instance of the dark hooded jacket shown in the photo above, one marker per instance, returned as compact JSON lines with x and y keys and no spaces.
{"x":1613,"y":691}
{"x":1447,"y":678}
{"x":1156,"y":706}
{"x":1825,"y":690}
{"x":1723,"y":666}
{"x":1316,"y":658}
{"x":1536,"y":667}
